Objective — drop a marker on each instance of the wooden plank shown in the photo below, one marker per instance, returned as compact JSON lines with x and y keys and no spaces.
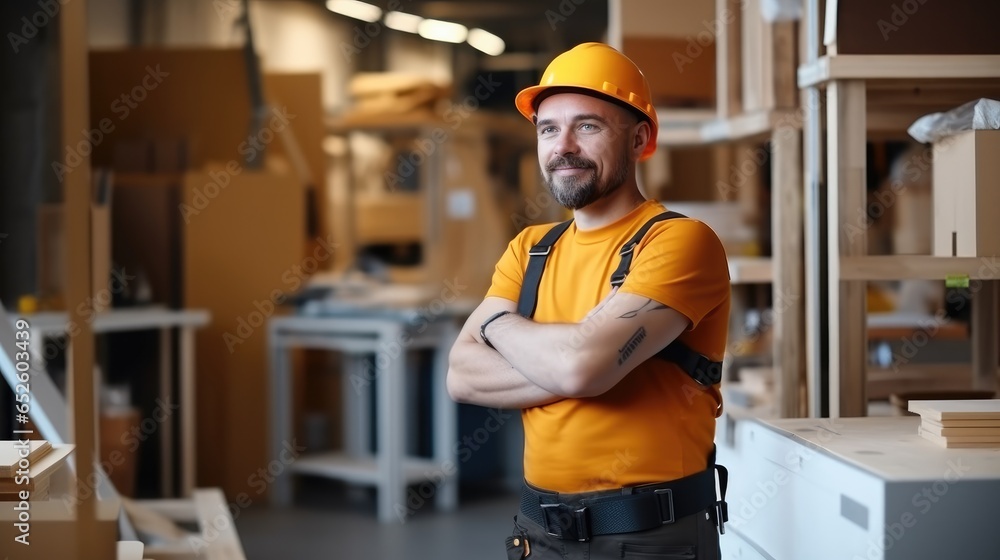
{"x":898,"y":67}
{"x":812,"y":24}
{"x":755,"y":63}
{"x":939,"y":430}
{"x":756,"y":125}
{"x":217,"y":526}
{"x":788,"y":288}
{"x":846,"y":197}
{"x":941,"y":411}
{"x":10,"y":455}
{"x":961,"y":442}
{"x":729,"y":63}
{"x":957,"y":424}
{"x":188,"y":404}
{"x":750,"y":270}
{"x":681,"y":127}
{"x":783,"y":53}
{"x":815,"y":265}
{"x":917,"y":267}
{"x":985,"y":330}
{"x":73,"y":50}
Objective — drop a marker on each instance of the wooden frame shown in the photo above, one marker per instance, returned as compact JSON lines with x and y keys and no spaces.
{"x":756,"y":100}
{"x":848,"y":80}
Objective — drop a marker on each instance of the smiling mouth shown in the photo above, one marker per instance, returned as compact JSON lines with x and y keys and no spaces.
{"x":570,"y":169}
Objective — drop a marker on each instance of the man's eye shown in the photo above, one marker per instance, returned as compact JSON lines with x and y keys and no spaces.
{"x":588,"y":127}
{"x":547,"y":130}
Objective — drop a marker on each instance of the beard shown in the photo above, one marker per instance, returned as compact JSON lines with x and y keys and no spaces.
{"x":583,"y":190}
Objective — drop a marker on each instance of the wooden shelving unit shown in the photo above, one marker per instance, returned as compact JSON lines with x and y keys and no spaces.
{"x":856,"y":88}
{"x":756,"y":101}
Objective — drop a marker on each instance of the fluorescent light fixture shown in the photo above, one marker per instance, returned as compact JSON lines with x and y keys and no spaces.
{"x":402,"y":21}
{"x":487,"y":42}
{"x":446,"y":31}
{"x":357,"y":10}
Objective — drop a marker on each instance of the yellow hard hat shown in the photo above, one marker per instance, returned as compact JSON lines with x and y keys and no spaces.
{"x":601,"y":69}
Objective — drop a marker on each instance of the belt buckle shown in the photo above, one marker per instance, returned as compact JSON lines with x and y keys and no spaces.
{"x":666,"y":509}
{"x":571,"y":522}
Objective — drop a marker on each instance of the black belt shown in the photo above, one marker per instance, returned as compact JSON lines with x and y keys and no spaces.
{"x":636,"y":508}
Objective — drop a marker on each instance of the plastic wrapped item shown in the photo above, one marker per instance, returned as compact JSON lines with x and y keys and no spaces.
{"x":981,"y":114}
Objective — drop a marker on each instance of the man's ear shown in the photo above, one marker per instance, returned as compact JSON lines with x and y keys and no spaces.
{"x":640,"y":137}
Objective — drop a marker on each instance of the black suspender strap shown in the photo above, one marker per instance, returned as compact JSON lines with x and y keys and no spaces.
{"x":536,"y":265}
{"x":699,"y":367}
{"x":628,"y":249}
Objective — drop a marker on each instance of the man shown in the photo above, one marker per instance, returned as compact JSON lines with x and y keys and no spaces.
{"x":618,"y":456}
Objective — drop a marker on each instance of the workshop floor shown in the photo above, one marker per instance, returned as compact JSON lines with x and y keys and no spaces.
{"x":327,"y":523}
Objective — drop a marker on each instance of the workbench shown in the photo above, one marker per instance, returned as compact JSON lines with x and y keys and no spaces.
{"x":849,"y":488}
{"x":359,"y":333}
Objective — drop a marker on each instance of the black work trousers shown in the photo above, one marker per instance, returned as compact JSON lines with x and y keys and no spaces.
{"x":694,"y":537}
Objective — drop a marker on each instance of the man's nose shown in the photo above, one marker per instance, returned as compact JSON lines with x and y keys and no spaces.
{"x":566,"y":144}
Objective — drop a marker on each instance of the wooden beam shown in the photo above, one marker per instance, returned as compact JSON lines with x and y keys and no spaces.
{"x":788,"y":287}
{"x":729,"y":64}
{"x":783,"y":53}
{"x":815,"y":264}
{"x":750,"y":270}
{"x":898,"y":67}
{"x":756,"y":63}
{"x":984,"y":334}
{"x":846,"y":236}
{"x":75,"y":107}
{"x":917,"y":267}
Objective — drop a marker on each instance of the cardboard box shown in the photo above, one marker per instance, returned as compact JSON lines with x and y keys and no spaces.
{"x":966,"y":194}
{"x":912,"y":27}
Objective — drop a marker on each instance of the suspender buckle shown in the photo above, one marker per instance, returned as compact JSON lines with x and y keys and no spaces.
{"x":706,"y":372}
{"x":540,"y":250}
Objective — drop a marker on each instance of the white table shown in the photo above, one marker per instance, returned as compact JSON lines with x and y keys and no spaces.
{"x":48,"y":324}
{"x":388,"y":334}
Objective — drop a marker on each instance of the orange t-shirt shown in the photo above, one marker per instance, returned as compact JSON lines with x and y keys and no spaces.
{"x":657,"y":424}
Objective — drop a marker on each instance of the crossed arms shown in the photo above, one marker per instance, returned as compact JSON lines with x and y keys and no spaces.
{"x":539,"y":363}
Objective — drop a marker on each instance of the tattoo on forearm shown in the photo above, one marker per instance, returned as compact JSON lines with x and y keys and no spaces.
{"x":631,"y":314}
{"x":633,"y":342}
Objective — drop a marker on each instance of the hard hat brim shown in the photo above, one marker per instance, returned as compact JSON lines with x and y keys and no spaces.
{"x":527,"y":101}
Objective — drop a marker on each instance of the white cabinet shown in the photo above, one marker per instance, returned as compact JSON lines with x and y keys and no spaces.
{"x":856,"y":488}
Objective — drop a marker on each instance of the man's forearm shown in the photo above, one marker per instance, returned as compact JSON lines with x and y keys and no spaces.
{"x":543,"y":353}
{"x":479,"y":375}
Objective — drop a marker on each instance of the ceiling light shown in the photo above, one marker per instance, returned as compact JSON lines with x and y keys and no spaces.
{"x":487,"y":42}
{"x":402,"y":21}
{"x":355,"y":9}
{"x":446,"y":31}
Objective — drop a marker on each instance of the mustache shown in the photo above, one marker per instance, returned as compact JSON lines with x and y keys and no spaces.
{"x":570,"y":161}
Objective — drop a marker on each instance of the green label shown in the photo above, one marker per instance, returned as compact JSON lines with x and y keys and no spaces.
{"x":957,"y":281}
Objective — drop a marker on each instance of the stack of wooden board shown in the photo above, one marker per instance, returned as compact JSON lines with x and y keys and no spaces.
{"x":40,"y":458}
{"x":959,"y":423}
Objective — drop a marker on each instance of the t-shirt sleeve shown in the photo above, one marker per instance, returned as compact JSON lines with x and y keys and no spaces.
{"x":509,"y":272}
{"x":681,"y":264}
